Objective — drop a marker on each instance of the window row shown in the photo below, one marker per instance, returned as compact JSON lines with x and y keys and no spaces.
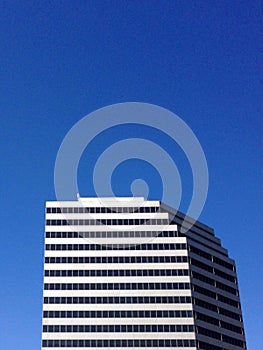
{"x":216,"y":309}
{"x":213,"y":270}
{"x":214,"y":283}
{"x":117,"y":328}
{"x":209,"y":333}
{"x":118,"y":314}
{"x":203,"y":235}
{"x":148,"y":246}
{"x":224,"y":263}
{"x":115,"y":286}
{"x":115,"y":273}
{"x":215,"y":296}
{"x":209,"y":246}
{"x":212,"y":258}
{"x":230,"y":314}
{"x":103,"y":210}
{"x":225,"y":275}
{"x":234,"y":341}
{"x":119,"y":343}
{"x":115,"y":259}
{"x":217,"y":322}
{"x":116,"y":222}
{"x":118,"y":300}
{"x":226,"y":288}
{"x":206,"y":346}
{"x":216,"y":335}
{"x":112,"y":234}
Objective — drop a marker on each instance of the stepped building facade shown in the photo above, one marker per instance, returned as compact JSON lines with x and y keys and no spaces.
{"x":123,"y":273}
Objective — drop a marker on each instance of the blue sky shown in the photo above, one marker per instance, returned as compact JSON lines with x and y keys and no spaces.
{"x":61,"y":60}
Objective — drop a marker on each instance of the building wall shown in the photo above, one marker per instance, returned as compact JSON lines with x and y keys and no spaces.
{"x":127,"y":277}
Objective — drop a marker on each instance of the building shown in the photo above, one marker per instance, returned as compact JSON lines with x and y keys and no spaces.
{"x":120,"y":273}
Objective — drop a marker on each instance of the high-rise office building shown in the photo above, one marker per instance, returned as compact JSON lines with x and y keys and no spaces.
{"x":123,"y":273}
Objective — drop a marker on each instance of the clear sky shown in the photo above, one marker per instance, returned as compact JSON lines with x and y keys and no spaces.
{"x":61,"y":60}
